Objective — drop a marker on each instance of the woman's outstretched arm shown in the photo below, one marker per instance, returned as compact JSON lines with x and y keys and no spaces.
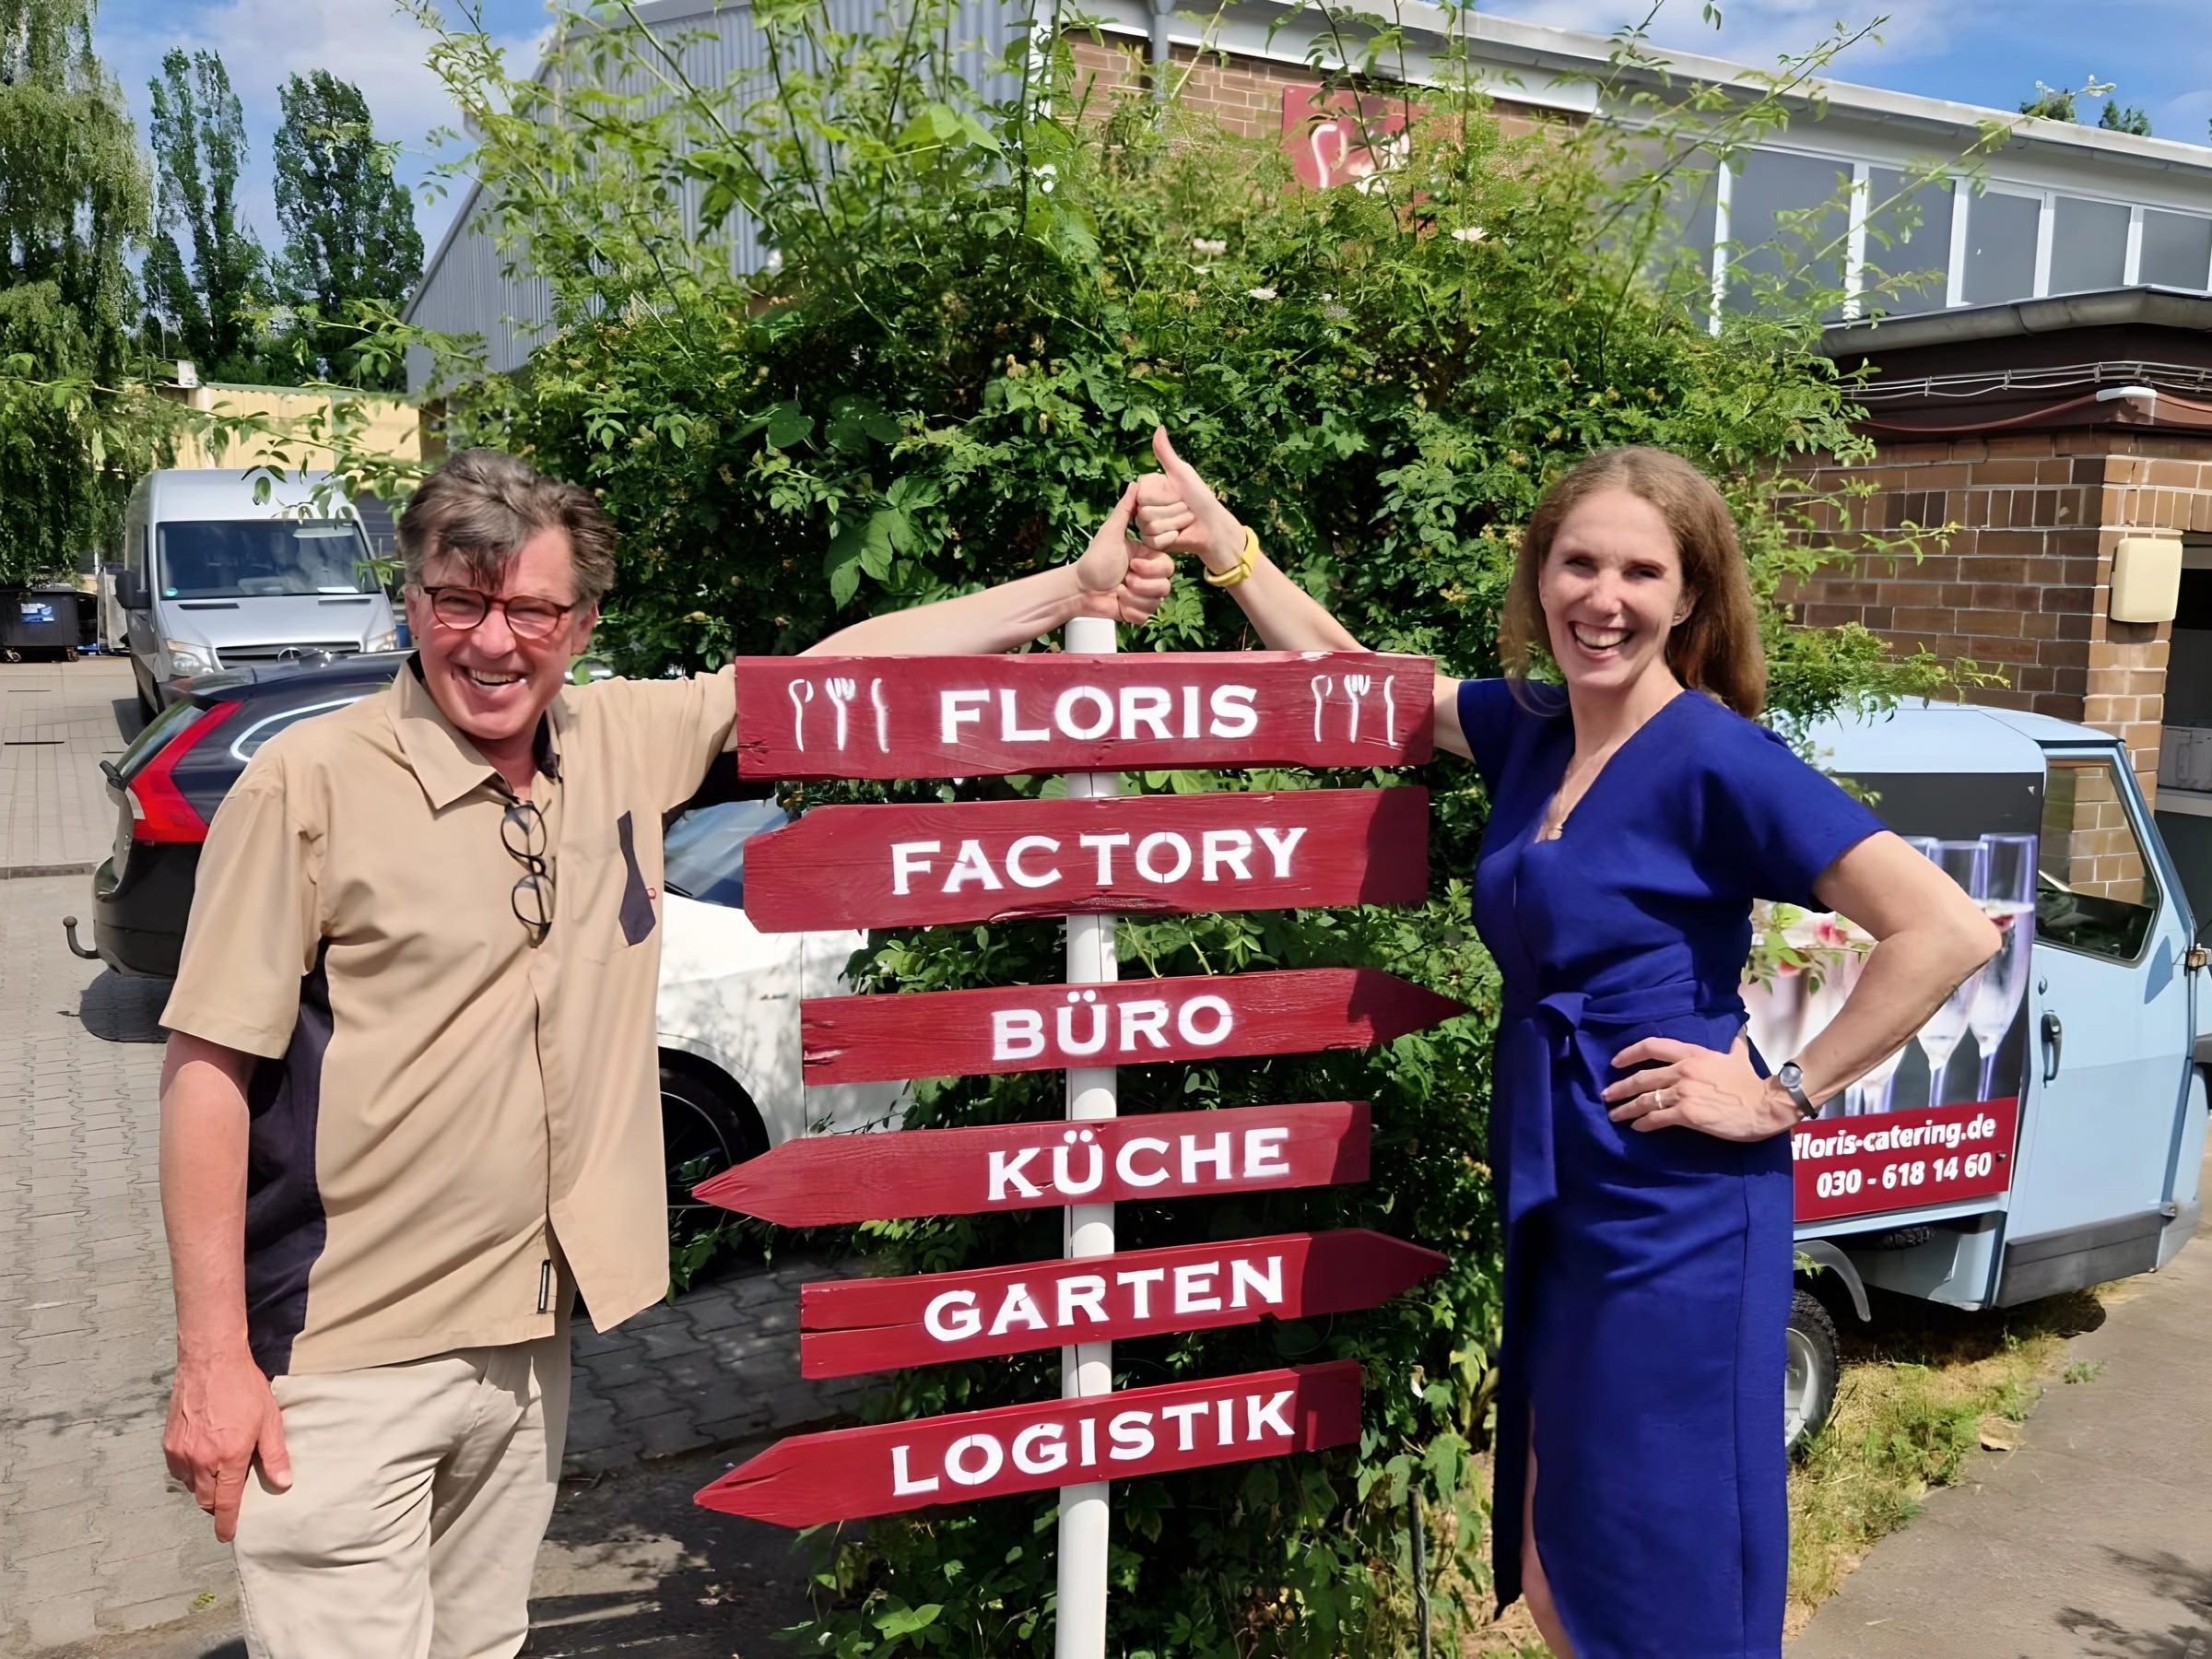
{"x":1178,"y":512}
{"x":1928,"y":937}
{"x":1117,"y":577}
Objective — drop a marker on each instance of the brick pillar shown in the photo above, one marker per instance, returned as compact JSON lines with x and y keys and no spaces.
{"x":2025,"y":583}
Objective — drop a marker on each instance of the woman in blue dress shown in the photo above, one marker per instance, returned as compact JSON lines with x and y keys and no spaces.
{"x":1642,"y":1149}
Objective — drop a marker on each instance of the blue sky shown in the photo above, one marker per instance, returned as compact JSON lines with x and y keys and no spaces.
{"x":1983,"y":51}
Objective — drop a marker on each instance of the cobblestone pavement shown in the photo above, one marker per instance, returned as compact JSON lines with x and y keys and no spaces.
{"x":57,"y":721}
{"x":94,"y":1543}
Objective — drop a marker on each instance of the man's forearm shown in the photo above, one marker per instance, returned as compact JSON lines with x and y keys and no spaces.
{"x":204,"y":1125}
{"x":998,"y":618}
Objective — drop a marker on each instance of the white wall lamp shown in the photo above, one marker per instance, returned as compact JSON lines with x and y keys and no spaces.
{"x":2147,"y":579}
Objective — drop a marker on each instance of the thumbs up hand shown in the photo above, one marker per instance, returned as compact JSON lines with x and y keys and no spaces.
{"x":1121,"y":578}
{"x":1177,"y":512}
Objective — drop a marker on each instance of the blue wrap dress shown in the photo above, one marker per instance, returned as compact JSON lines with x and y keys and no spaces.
{"x":1648,"y":1273}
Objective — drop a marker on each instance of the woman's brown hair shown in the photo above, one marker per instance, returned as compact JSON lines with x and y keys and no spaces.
{"x":1716,"y":649}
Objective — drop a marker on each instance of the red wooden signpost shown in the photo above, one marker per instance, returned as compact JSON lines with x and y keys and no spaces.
{"x":1046,"y":1028}
{"x":1086,"y":857}
{"x":887,"y":1467}
{"x":828,"y":1179}
{"x":848,"y":1326}
{"x":971,"y":717}
{"x":982,"y":861}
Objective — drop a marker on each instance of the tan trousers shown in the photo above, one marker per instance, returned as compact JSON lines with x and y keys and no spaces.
{"x":419,"y":1495}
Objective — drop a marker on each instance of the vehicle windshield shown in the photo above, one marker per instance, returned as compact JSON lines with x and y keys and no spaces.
{"x":252,"y":558}
{"x":703,"y":851}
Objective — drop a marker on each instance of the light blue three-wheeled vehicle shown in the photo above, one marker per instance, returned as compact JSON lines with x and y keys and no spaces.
{"x":2044,"y":1132}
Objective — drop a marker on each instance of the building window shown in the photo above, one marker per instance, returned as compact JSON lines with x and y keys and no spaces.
{"x":1908,"y":235}
{"x":2088,"y":246}
{"x":1803,"y":254}
{"x":2177,"y":249}
{"x":2000,"y":247}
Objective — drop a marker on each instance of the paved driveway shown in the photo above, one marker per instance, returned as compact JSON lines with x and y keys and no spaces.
{"x":57,"y":720}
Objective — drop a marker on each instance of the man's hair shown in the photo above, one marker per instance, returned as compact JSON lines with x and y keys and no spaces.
{"x":481,"y":506}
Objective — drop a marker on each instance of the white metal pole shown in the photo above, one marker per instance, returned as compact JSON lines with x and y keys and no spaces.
{"x":1087,"y":1369}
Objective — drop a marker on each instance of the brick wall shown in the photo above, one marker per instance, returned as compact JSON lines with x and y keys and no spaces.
{"x":1244,"y":94}
{"x":2024,"y":585}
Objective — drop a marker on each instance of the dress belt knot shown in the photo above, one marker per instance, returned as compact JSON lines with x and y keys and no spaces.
{"x":1536,"y":1040}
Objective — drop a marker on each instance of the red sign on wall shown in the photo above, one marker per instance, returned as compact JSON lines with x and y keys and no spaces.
{"x":1346,"y":138}
{"x":1045,"y":1028}
{"x":984,"y":861}
{"x":855,"y":1325}
{"x":982,"y":716}
{"x":825,"y":1181}
{"x":1858,"y":1166}
{"x":889,"y":1467}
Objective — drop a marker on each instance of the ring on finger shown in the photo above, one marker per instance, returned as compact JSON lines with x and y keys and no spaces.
{"x":1659,"y":1098}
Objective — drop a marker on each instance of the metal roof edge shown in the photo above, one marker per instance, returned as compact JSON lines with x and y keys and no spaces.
{"x":2158,"y":307}
{"x":1578,"y":51}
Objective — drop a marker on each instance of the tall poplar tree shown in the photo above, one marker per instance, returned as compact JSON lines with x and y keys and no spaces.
{"x":348,"y":224}
{"x":73,"y":201}
{"x":203,"y":270}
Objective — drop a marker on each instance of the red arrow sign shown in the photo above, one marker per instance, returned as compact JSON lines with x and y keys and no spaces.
{"x":979,"y":716}
{"x":1044,"y":1027}
{"x":855,"y":1325}
{"x":981,"y":860}
{"x":828,"y":1179}
{"x":887,"y":1467}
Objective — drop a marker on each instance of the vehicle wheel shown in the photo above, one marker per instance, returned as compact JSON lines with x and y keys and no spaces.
{"x":707,"y":1126}
{"x":1810,"y":1371}
{"x":148,"y":704}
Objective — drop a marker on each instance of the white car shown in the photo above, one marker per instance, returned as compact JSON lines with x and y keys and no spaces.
{"x":731,"y":1085}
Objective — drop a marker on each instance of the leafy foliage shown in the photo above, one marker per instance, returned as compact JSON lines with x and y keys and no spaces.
{"x":350,"y":236}
{"x":855,"y":333}
{"x":73,"y":199}
{"x":206,"y":290}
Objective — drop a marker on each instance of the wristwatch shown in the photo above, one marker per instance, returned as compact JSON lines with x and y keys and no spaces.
{"x":1793,"y":1082}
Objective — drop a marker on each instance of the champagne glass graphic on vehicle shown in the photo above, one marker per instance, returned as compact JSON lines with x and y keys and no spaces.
{"x":2009,"y":901}
{"x":1966,"y":863}
{"x":1840,"y":948}
{"x":1871,"y":1092}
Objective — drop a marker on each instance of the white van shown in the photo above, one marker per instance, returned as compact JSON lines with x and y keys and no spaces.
{"x":211,"y":579}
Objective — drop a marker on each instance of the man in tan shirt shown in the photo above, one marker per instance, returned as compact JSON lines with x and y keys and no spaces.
{"x":411,"y":1101}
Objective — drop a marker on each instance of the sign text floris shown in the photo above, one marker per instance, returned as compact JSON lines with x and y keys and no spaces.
{"x":1038,"y":1028}
{"x":979,"y":716}
{"x":887,"y":1467}
{"x":826,"y":1181}
{"x":982,"y":861}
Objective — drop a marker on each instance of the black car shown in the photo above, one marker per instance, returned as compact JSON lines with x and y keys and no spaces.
{"x":169,"y":780}
{"x":172,"y":777}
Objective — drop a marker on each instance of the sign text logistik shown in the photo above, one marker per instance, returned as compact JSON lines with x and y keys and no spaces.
{"x":887,"y":1467}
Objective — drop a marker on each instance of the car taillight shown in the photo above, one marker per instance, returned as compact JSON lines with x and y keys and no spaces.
{"x":158,"y":810}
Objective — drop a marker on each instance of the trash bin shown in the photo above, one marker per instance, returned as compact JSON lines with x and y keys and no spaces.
{"x":39,"y":621}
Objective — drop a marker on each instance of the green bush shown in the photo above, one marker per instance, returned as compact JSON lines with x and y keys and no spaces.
{"x":979,"y":307}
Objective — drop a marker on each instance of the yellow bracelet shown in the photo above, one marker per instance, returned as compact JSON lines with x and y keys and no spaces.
{"x":1246,"y":561}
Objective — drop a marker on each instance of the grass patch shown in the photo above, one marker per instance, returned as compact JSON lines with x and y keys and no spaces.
{"x":1923,"y":1387}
